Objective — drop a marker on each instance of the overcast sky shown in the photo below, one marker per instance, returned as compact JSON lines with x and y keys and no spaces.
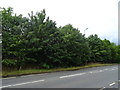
{"x":99,"y":16}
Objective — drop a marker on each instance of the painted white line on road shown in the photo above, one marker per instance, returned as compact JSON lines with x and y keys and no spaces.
{"x":112,"y":84}
{"x":105,"y":69}
{"x":96,"y":71}
{"x":22,"y":83}
{"x":102,"y":88}
{"x":90,"y":72}
{"x":72,"y":75}
{"x":100,"y":70}
{"x":112,"y":69}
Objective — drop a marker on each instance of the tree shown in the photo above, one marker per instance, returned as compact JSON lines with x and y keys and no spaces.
{"x":97,"y":49}
{"x":36,"y":42}
{"x":76,"y":50}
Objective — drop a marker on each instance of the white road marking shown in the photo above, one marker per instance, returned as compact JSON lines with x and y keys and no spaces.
{"x":112,"y":84}
{"x":105,"y":69}
{"x":96,"y":71}
{"x":72,"y":75}
{"x":22,"y":83}
{"x":112,"y":69}
{"x":102,"y":88}
{"x":100,"y":70}
{"x":90,"y":72}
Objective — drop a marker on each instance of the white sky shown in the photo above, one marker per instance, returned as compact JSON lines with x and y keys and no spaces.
{"x":99,"y":16}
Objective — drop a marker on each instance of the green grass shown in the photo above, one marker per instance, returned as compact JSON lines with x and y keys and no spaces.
{"x":38,"y":71}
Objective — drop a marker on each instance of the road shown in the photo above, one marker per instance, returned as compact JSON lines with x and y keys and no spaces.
{"x":96,"y":77}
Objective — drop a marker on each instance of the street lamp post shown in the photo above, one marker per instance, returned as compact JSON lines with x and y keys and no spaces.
{"x":85,"y":30}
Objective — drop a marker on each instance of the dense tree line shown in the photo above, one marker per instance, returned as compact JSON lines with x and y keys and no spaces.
{"x":36,"y":42}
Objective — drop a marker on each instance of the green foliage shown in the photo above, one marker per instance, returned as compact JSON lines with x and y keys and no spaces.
{"x":75,"y":45}
{"x":9,"y":62}
{"x":96,"y":46}
{"x":37,"y":42}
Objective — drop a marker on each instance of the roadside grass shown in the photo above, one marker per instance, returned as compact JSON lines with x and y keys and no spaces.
{"x":39,"y":71}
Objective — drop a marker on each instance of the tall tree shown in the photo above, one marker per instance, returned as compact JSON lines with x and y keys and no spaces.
{"x":75,"y":46}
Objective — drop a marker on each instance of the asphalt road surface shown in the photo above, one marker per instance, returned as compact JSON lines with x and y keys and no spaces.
{"x":96,"y":77}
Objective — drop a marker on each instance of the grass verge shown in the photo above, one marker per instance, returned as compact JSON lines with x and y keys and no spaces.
{"x":39,"y":71}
